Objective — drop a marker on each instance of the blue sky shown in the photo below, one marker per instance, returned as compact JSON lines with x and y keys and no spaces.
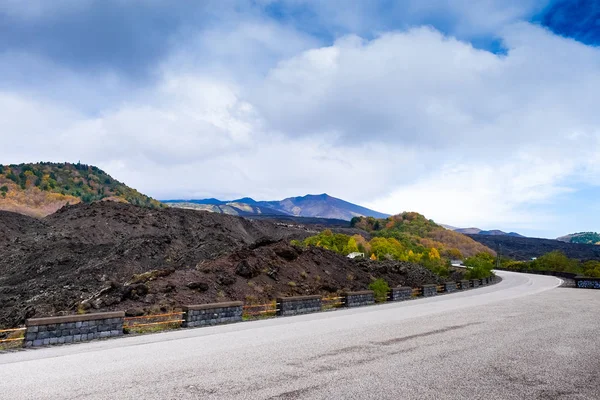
{"x":472,"y":113}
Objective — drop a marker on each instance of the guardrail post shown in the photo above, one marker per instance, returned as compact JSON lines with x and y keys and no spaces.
{"x":358,"y":299}
{"x":73,"y":328}
{"x":212,"y":314}
{"x":429,"y":290}
{"x":298,"y":305}
{"x":450,"y":287}
{"x":400,"y":293}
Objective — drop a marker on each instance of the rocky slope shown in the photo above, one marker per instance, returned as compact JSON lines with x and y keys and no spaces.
{"x":107,"y":256}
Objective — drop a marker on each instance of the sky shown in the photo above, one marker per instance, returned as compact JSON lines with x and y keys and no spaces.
{"x":472,"y":113}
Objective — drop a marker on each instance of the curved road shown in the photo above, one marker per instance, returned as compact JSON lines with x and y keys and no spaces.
{"x":524,"y":338}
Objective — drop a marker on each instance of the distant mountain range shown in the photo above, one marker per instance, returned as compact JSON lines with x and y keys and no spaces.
{"x":581,"y":237}
{"x":317,"y":206}
{"x":477,"y":231}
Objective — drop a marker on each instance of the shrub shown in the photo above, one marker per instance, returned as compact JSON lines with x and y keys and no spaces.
{"x":381,"y":289}
{"x":479,"y":266}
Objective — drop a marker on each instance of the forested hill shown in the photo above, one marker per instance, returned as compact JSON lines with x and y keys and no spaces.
{"x":410,"y":228}
{"x":42,"y":188}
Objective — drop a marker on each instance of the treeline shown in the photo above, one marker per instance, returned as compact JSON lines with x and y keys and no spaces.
{"x":555,"y":261}
{"x":586,"y":238}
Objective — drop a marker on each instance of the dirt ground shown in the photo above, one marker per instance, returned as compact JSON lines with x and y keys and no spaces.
{"x":113,"y":256}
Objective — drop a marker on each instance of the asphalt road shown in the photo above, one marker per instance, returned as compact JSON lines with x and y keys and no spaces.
{"x":523,"y":338}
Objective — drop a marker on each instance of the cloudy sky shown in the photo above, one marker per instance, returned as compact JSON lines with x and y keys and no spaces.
{"x":475,"y":114}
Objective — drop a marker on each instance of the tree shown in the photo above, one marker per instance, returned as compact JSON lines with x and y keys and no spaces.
{"x":554,"y":261}
{"x":352,"y":247}
{"x":479,"y":266}
{"x":381,"y":289}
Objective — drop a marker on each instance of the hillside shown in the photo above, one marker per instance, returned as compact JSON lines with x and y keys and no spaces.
{"x":42,"y":188}
{"x":477,"y":231}
{"x":410,"y":228}
{"x":114,"y":256}
{"x":524,"y":248}
{"x":581,"y":237}
{"x":314,"y":206}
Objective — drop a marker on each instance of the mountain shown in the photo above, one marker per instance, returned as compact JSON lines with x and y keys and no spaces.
{"x":42,"y":188}
{"x":581,"y":237}
{"x":315,"y":206}
{"x":477,"y":231}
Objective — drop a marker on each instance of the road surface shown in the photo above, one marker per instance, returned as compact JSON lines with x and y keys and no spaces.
{"x":523,"y":338}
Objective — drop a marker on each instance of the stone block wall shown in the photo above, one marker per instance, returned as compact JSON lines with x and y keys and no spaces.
{"x":587,"y":283}
{"x":358,"y":299}
{"x":400,"y":293}
{"x":465,"y":284}
{"x":212,"y":314}
{"x":450,"y":287}
{"x":429,"y":290}
{"x":475,"y":283}
{"x":73,"y":328}
{"x":298,"y":305}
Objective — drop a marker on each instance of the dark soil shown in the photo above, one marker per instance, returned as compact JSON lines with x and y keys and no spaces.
{"x":524,"y":248}
{"x":113,"y":256}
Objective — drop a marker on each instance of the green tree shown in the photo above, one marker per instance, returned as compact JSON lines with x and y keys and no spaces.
{"x":381,"y":289}
{"x":555,"y":261}
{"x":479,"y":266}
{"x":352,"y":246}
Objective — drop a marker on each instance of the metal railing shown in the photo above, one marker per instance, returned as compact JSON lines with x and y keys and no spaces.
{"x":153,"y":322}
{"x":260,"y":310}
{"x":329,"y":303}
{"x":11,"y":337}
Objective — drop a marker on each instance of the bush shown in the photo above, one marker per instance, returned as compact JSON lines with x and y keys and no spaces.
{"x":479,"y":266}
{"x":381,"y":289}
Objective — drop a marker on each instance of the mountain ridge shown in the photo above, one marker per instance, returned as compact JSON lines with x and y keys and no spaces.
{"x":477,"y":231}
{"x":310,"y":205}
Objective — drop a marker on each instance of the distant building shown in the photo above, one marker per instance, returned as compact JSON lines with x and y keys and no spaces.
{"x":355,"y":254}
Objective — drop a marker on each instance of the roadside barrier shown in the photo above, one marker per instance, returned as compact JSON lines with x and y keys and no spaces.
{"x":152,"y":322}
{"x":73,"y":328}
{"x":587,"y":283}
{"x":358,"y":299}
{"x":77,"y":328}
{"x":212,"y":314}
{"x":331,"y":303}
{"x":253,"y":311}
{"x":11,"y":338}
{"x":298,"y":305}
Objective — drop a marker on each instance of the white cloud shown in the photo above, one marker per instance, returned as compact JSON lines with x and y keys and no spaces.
{"x":408,"y":120}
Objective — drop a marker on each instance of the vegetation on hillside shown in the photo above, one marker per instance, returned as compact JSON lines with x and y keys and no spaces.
{"x":479,"y":266}
{"x":586,"y":238}
{"x":555,"y":261}
{"x":413,"y":229}
{"x":40,"y":189}
{"x":381,"y":248}
{"x":408,"y":237}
